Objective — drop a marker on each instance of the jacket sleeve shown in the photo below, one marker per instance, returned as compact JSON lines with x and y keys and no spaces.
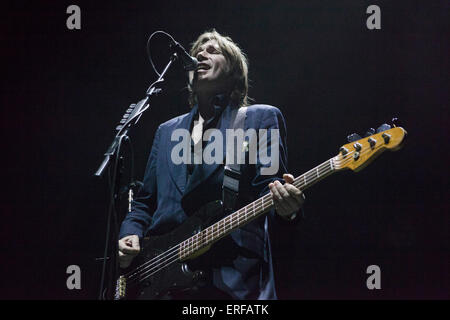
{"x":139,"y":218}
{"x":272,"y":118}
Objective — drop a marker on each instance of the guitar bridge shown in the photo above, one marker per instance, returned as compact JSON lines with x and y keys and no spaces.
{"x":121,"y":285}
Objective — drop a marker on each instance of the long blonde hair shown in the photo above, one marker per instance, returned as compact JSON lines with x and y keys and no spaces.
{"x":238,"y":66}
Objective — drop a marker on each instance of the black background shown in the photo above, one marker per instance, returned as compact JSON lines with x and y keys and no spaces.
{"x":63,"y":92}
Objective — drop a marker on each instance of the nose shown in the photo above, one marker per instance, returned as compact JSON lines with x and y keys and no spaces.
{"x":201,"y":55}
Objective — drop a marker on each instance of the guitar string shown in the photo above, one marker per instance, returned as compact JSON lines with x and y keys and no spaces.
{"x":193,"y":241}
{"x":211,"y":232}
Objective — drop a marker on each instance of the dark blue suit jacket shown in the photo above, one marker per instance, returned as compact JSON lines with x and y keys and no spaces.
{"x":244,"y":261}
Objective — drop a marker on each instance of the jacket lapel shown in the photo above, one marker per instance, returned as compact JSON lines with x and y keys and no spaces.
{"x":178,"y":172}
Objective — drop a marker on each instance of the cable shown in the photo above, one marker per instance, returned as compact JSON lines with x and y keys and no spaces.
{"x":148,"y":48}
{"x":111,"y":212}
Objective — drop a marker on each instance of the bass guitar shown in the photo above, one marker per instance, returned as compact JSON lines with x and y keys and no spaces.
{"x":163,"y":264}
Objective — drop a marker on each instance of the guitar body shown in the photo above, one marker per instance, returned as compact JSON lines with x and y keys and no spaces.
{"x":178,"y":277}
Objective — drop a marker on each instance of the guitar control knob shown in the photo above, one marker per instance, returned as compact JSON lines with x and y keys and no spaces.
{"x":372,"y":142}
{"x":386,"y":137}
{"x":357,"y":146}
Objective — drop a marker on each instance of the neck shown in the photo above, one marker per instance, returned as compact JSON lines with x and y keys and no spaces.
{"x":251,"y":211}
{"x":205,"y":105}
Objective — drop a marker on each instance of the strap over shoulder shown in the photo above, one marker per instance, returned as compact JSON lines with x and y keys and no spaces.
{"x":232,"y":170}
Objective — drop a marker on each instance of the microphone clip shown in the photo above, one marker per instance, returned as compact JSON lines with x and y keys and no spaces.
{"x":189,"y":63}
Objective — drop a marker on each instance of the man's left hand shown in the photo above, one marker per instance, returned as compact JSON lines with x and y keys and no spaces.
{"x":287,"y":198}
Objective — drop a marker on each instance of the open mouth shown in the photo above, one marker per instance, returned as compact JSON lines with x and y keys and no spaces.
{"x":203,"y":66}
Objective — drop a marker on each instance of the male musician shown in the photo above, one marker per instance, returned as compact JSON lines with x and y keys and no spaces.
{"x":241,"y":267}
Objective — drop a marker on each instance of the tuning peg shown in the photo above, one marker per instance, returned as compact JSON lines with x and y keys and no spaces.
{"x":396,"y":122}
{"x":353,"y":137}
{"x":383,"y":127}
{"x":369,"y":132}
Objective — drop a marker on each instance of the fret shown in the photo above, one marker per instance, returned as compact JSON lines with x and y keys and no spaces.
{"x":202,"y":238}
{"x":253,"y":203}
{"x":210,"y":233}
{"x":205,"y":236}
{"x":308,"y":178}
{"x":227,"y":222}
{"x":217,"y":231}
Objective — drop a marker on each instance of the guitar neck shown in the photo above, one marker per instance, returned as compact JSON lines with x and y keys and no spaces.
{"x":248,"y":213}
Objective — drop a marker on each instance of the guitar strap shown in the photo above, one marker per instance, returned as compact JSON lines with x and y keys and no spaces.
{"x":232,"y":169}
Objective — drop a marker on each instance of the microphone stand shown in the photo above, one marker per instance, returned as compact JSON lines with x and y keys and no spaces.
{"x":129,"y":119}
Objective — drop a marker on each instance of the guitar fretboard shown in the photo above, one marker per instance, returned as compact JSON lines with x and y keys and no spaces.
{"x":246,"y":214}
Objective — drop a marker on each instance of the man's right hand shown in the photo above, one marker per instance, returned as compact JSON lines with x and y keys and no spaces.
{"x":128,"y":249}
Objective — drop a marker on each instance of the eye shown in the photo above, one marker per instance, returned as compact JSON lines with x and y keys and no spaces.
{"x":213,"y":50}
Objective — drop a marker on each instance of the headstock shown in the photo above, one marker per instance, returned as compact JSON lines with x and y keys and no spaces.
{"x":357,"y":154}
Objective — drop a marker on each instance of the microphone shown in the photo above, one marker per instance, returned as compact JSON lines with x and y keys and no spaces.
{"x":190,"y":63}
